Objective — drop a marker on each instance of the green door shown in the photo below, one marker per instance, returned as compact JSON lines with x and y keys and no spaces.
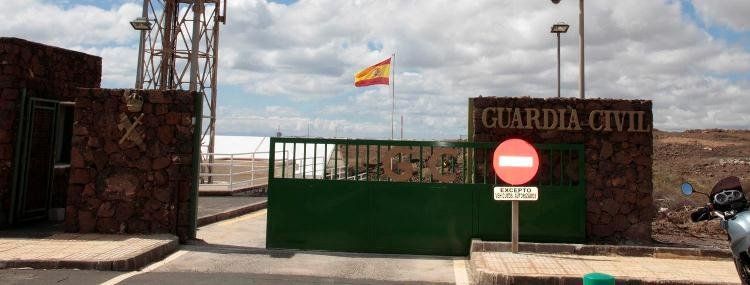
{"x":34,"y":159}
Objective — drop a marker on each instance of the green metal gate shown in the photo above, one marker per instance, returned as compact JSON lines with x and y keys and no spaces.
{"x":412,"y":197}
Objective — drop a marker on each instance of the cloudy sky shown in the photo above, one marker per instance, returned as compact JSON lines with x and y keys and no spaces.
{"x":290,"y":64}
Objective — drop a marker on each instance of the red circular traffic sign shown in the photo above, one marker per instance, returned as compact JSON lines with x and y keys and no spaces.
{"x":515,"y":161}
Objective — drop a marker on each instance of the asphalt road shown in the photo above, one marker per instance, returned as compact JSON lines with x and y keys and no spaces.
{"x":233,"y":252}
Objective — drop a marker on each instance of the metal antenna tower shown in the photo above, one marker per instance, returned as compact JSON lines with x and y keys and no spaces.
{"x":179,"y":49}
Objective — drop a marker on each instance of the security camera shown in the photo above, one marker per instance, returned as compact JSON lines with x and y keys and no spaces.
{"x":555,"y":1}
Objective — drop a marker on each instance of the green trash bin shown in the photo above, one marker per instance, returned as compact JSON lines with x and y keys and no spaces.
{"x":596,"y":278}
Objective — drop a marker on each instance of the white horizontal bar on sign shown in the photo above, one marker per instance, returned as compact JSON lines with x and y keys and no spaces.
{"x":516,"y":161}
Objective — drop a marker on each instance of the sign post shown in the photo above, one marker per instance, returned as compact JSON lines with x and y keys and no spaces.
{"x":516,"y":162}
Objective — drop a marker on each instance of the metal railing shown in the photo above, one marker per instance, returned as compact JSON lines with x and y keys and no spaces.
{"x":231,"y":171}
{"x":561,"y":165}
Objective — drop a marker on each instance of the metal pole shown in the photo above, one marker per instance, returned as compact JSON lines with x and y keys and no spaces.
{"x":402,"y":127}
{"x":514,"y":227}
{"x":141,"y":47}
{"x":558,"y":65}
{"x":196,"y":36}
{"x":393,"y":89}
{"x":197,"y":117}
{"x":214,"y":75}
{"x":231,"y":171}
{"x":581,"y":82}
{"x":167,"y":46}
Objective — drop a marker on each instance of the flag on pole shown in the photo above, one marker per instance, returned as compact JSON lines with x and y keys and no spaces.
{"x":376,"y":74}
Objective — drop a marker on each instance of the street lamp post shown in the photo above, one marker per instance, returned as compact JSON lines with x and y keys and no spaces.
{"x":581,"y":79}
{"x":558,"y":29}
{"x":142,"y":24}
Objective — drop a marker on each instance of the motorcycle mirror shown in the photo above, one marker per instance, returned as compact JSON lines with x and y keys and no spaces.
{"x":687,"y":189}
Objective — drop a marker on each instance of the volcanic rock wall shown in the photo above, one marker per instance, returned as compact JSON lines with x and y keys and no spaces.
{"x":617,"y":138}
{"x":45,"y":72}
{"x":137,"y":182}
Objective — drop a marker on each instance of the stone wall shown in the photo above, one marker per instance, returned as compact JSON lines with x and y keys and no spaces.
{"x":45,"y":72}
{"x":618,"y":157}
{"x":141,"y":185}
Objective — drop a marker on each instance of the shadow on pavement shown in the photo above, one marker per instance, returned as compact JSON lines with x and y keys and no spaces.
{"x":202,"y":246}
{"x":42,"y":229}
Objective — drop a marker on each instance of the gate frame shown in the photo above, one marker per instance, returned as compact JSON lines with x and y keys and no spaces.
{"x":22,"y":152}
{"x":474,"y":153}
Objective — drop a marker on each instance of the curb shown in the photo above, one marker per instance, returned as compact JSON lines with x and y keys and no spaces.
{"x":255,"y":190}
{"x":127,"y":264}
{"x":478,"y":274}
{"x":206,"y":220}
{"x":594,"y":249}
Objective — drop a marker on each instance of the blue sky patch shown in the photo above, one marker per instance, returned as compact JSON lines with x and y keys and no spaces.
{"x":285,"y":2}
{"x":726,"y":34}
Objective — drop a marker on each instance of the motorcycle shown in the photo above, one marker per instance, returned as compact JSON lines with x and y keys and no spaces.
{"x":727,"y":202}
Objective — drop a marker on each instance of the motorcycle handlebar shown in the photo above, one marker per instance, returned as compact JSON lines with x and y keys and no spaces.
{"x":702,"y":214}
{"x":718,"y":214}
{"x":707,"y":213}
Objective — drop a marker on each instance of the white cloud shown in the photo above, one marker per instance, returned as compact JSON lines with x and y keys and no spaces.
{"x":447,"y":51}
{"x":729,"y":13}
{"x":77,"y":25}
{"x":89,"y":29}
{"x":291,"y":123}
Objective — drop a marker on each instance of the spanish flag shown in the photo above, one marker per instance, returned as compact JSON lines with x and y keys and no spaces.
{"x":376,"y":74}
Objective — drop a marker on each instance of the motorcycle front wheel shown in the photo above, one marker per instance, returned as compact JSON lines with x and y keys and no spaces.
{"x":743,"y":269}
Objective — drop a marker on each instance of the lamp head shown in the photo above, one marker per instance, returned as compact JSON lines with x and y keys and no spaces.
{"x":555,"y":1}
{"x":559,"y":28}
{"x":141,"y":24}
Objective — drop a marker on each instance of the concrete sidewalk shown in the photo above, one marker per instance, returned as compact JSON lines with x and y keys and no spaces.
{"x":44,"y":246}
{"x":525,"y":267}
{"x":214,"y":209}
{"x":85,"y":251}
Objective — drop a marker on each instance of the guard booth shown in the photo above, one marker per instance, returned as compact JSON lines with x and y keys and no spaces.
{"x":413,"y":197}
{"x":37,"y":95}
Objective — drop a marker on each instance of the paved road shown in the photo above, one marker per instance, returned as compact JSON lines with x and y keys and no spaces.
{"x":28,"y":276}
{"x":233,"y":252}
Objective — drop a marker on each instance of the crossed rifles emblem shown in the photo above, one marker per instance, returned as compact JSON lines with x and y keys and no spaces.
{"x":131,"y":133}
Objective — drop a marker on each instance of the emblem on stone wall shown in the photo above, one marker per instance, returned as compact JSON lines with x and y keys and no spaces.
{"x":133,"y":100}
{"x":131,"y":134}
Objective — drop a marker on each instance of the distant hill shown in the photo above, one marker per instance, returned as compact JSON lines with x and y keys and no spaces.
{"x":700,"y":157}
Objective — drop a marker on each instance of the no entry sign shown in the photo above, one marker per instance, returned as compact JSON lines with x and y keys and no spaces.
{"x":515,"y":161}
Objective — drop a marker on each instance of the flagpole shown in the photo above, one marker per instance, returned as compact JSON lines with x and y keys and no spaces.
{"x":402,"y":127}
{"x":393,"y":90}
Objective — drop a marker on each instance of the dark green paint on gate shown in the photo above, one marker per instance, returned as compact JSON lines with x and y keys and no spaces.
{"x":357,"y":208}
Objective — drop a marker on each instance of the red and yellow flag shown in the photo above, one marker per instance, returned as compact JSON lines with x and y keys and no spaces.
{"x":376,"y":74}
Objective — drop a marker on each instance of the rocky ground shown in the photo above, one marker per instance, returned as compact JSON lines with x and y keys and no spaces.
{"x":700,"y":157}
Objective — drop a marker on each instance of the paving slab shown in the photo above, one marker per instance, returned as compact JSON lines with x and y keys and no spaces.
{"x":85,"y":251}
{"x":43,"y":246}
{"x":554,"y":266}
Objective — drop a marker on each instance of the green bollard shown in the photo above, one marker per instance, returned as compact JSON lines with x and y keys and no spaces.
{"x":598,"y":279}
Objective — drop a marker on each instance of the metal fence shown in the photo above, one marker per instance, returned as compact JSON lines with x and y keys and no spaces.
{"x":232,"y":171}
{"x":561,"y":165}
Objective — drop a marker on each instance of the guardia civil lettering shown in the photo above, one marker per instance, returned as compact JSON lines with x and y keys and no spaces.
{"x":565,"y":119}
